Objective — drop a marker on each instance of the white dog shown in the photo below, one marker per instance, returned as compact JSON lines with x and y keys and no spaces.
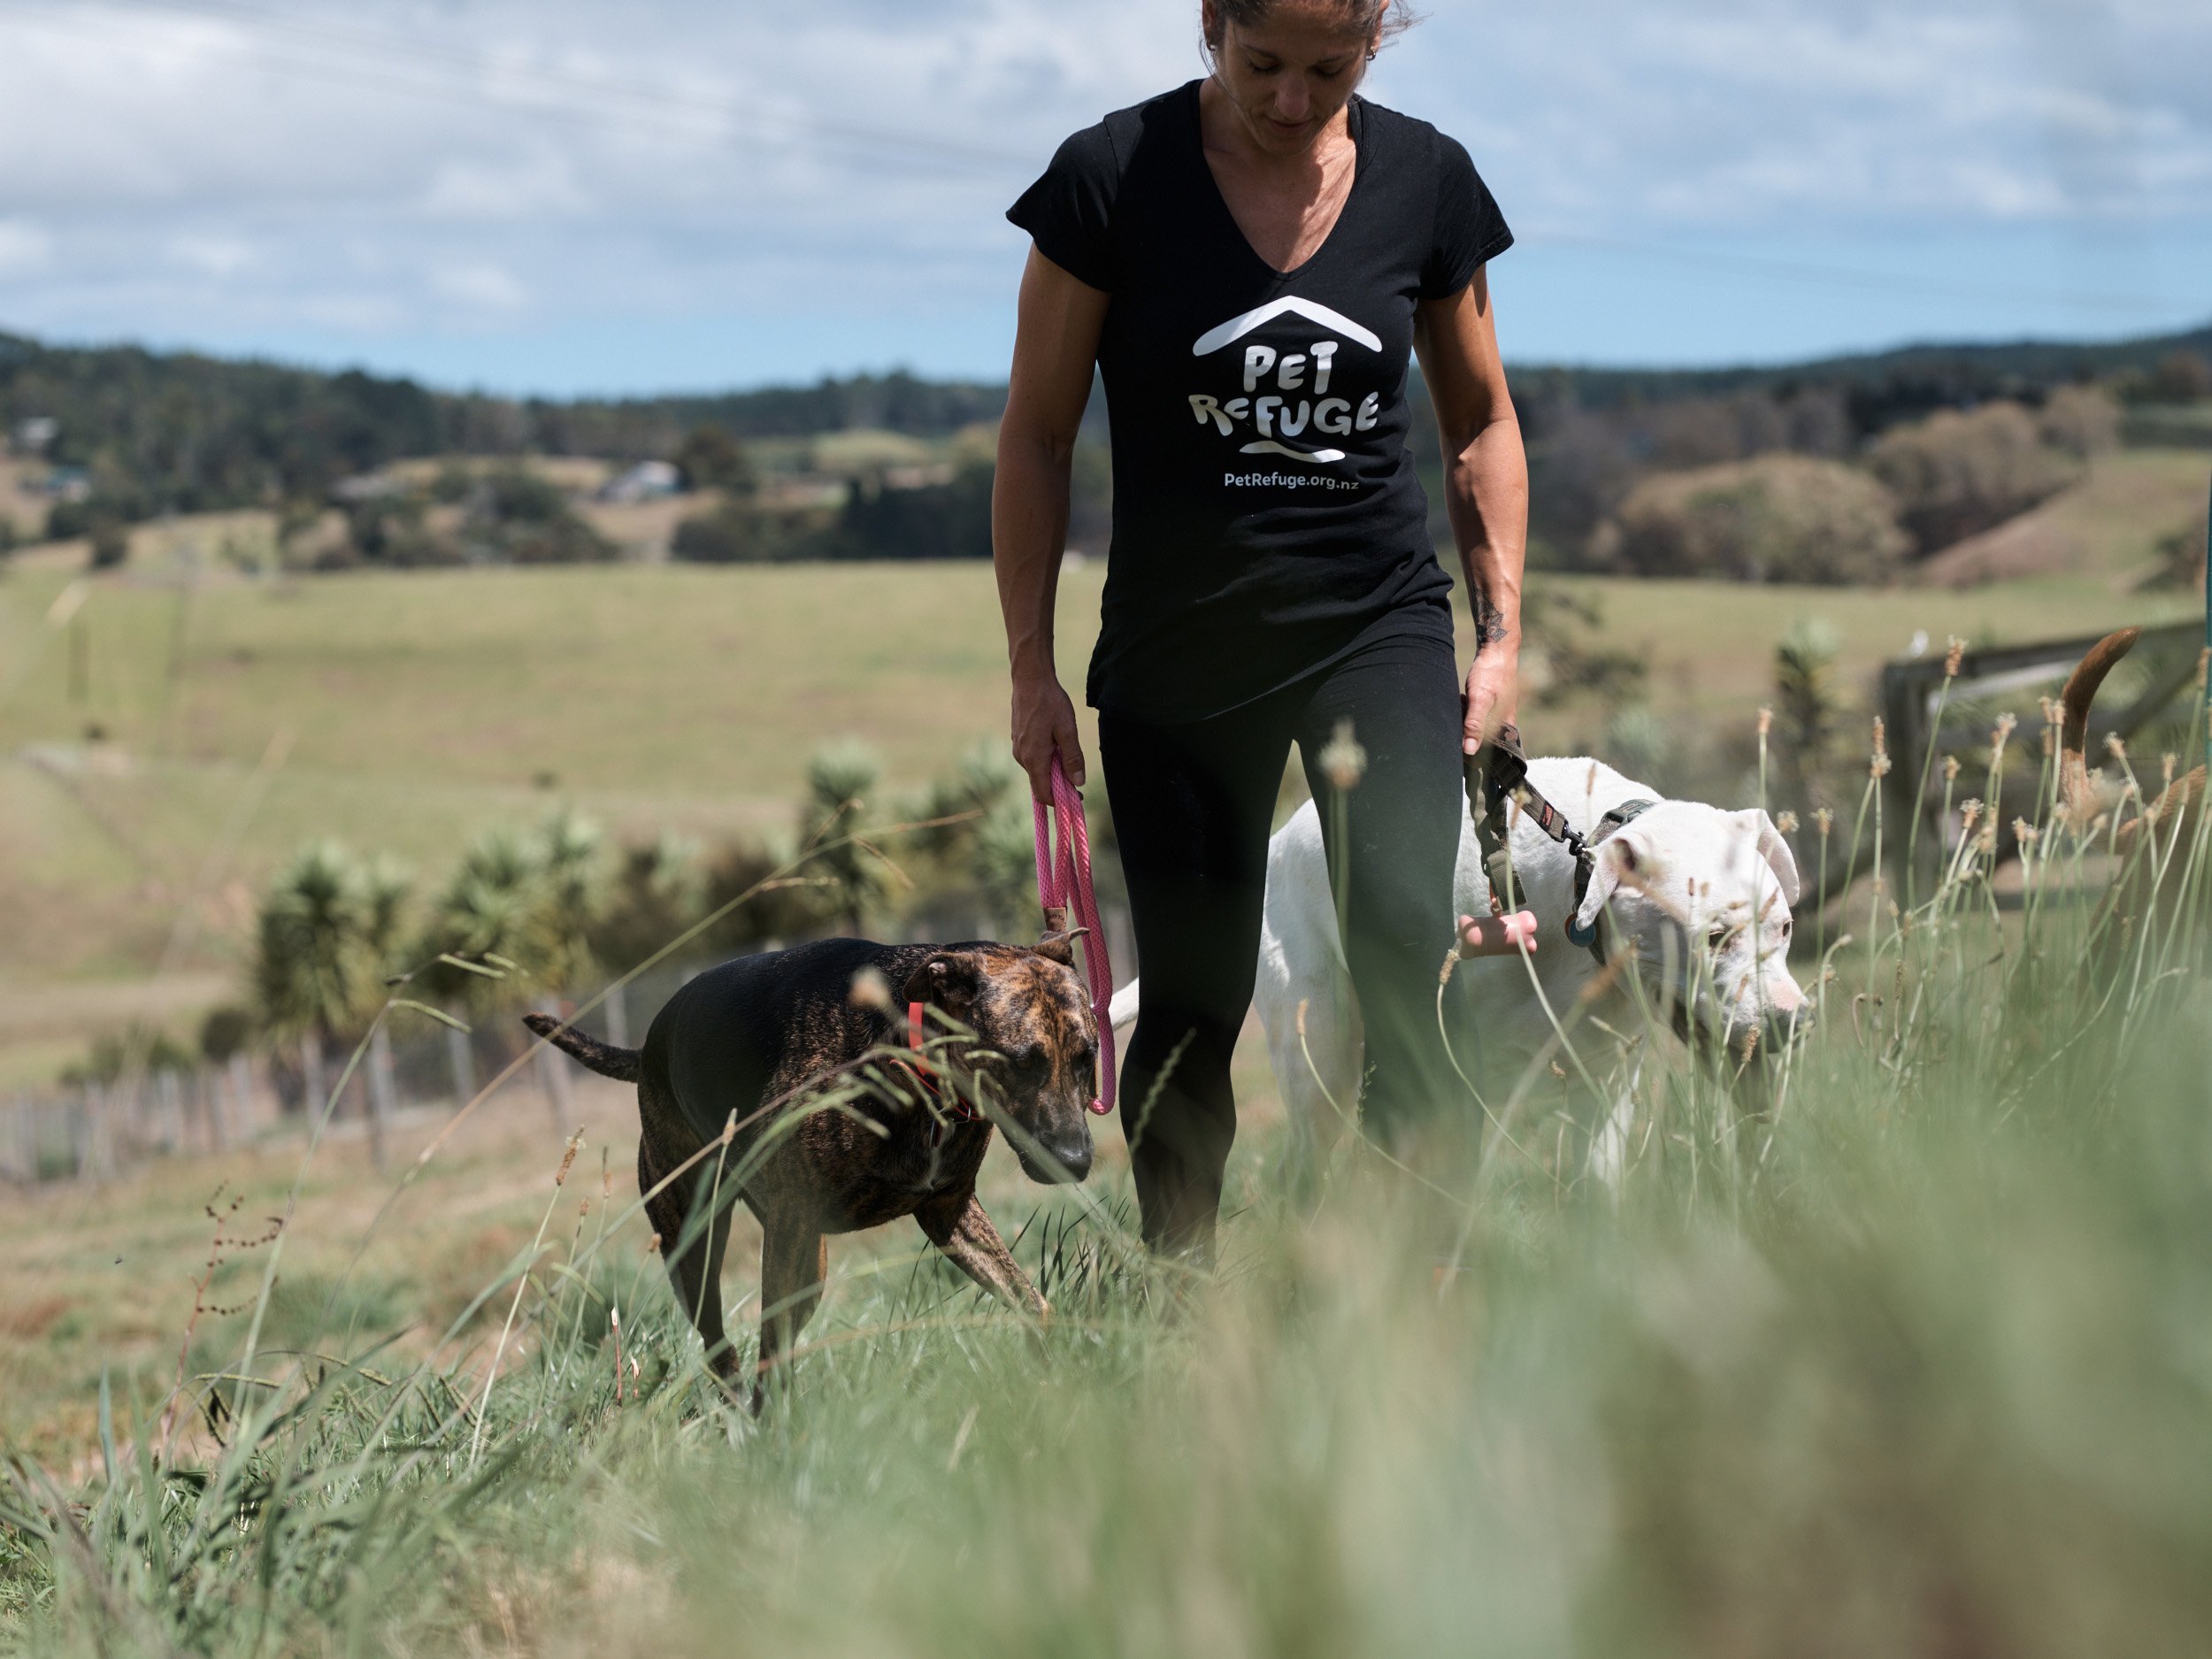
{"x":1699,"y":898}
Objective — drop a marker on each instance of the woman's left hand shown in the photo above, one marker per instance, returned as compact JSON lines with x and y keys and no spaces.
{"x":1493,"y":691}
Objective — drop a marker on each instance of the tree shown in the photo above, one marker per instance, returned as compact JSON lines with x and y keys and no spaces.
{"x":709,"y":459}
{"x":654,"y":896}
{"x":1777,"y":518}
{"x":111,"y":542}
{"x":527,"y":898}
{"x":2081,"y":422}
{"x":1805,"y":706}
{"x":322,"y":946}
{"x":838,"y":781}
{"x":1955,"y":474}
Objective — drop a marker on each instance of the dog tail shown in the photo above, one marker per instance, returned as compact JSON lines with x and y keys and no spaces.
{"x":1122,"y":1012}
{"x":2077,"y":797}
{"x":621,"y":1064}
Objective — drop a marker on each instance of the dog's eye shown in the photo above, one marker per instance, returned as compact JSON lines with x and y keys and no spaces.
{"x":1718,"y":938}
{"x":1786,"y":926}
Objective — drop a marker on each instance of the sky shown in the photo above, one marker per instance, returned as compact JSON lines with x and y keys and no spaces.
{"x":564,"y":197}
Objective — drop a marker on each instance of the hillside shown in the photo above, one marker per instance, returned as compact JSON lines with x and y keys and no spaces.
{"x":418,"y":708}
{"x":136,"y":433}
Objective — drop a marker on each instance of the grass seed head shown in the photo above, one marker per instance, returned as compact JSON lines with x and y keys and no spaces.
{"x":1954,"y":654}
{"x":1785,"y":821}
{"x":1343,"y":762}
{"x":1824,"y":820}
{"x":1879,"y":766}
{"x":871,"y":989}
{"x":1950,"y":769}
{"x":1766,"y":721}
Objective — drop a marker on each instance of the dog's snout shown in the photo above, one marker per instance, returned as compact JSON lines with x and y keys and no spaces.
{"x":1074,"y":1155}
{"x":1059,"y":1156}
{"x":1784,"y":1024}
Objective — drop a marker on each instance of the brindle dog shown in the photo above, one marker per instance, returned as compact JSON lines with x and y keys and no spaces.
{"x":766,"y":1032}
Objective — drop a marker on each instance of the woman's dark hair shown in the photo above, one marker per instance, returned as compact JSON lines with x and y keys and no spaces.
{"x":1358,"y":15}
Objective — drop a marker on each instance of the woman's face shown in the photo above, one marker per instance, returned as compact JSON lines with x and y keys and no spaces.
{"x":1288,"y":77}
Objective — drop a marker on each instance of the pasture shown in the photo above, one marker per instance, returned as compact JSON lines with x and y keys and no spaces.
{"x":1906,"y":1358}
{"x":405,"y":712}
{"x":1891,"y":1341}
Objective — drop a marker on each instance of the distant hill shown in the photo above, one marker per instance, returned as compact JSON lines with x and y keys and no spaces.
{"x":1882,"y":387}
{"x":157,"y":432}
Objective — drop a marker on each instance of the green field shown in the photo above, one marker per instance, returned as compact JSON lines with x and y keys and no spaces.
{"x":1901,"y":1353}
{"x":414,"y":709}
{"x":1891,"y":1341}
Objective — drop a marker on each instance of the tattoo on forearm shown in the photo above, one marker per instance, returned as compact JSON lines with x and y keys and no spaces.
{"x":1489,"y":621}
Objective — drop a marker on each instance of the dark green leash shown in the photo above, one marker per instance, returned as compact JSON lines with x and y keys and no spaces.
{"x":1499,"y":774}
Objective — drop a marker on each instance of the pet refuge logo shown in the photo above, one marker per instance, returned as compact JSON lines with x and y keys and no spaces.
{"x":1285,"y":404}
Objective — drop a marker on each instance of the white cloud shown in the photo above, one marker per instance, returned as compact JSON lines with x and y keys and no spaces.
{"x":24,"y":246}
{"x":212,"y":255}
{"x":388,"y":166}
{"x":482,"y":284}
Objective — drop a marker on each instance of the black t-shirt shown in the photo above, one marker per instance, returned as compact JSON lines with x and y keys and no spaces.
{"x":1267,"y":517}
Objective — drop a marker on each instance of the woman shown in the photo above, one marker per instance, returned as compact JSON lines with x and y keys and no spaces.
{"x":1247,"y":261}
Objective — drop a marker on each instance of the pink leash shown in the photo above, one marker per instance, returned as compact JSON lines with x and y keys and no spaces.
{"x":1064,"y":887}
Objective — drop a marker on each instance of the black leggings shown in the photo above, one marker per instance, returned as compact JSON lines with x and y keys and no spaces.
{"x":1193,"y":804}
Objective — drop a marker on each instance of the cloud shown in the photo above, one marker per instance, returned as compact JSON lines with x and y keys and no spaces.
{"x":480,"y":285}
{"x":387,"y":167}
{"x":24,"y":246}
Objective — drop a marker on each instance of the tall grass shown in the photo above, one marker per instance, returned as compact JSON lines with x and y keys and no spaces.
{"x":1894,"y":1341}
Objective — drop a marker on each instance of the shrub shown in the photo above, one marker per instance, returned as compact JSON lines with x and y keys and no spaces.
{"x":741,"y":532}
{"x":2178,"y":560}
{"x":936,"y":521}
{"x":1779,"y":518}
{"x":2182,"y":377}
{"x":225,"y":1031}
{"x":778,"y":913}
{"x":655,"y":895}
{"x":709,"y":459}
{"x":142,"y":1050}
{"x":1955,"y":474}
{"x":111,"y":542}
{"x":2081,"y":422}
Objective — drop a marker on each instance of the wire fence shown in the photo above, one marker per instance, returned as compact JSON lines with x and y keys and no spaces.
{"x":95,"y":1129}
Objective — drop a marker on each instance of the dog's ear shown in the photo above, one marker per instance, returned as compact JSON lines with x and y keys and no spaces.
{"x":1775,"y":849}
{"x":949,"y":980}
{"x":1619,"y":857}
{"x":1059,"y":946}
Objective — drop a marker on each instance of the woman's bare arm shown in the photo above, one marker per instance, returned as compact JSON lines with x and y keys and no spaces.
{"x":1056,"y":342}
{"x":1486,"y":490}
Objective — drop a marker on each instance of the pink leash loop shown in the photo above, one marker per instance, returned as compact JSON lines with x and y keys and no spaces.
{"x":1064,"y":884}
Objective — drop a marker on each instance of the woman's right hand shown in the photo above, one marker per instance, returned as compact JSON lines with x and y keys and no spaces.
{"x":1044,"y":724}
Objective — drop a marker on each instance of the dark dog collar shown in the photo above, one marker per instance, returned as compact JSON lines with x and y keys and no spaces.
{"x":1586,"y":867}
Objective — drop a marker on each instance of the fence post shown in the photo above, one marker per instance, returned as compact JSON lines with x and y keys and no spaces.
{"x":553,"y":1067}
{"x":462,"y":1060}
{"x":171,"y":1089}
{"x":381,"y":1092}
{"x":241,"y":1097}
{"x":87,"y":1136}
{"x":312,"y":1074}
{"x":617,"y":1007}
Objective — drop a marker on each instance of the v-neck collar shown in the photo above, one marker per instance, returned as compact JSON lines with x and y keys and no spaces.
{"x":1354,"y":122}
